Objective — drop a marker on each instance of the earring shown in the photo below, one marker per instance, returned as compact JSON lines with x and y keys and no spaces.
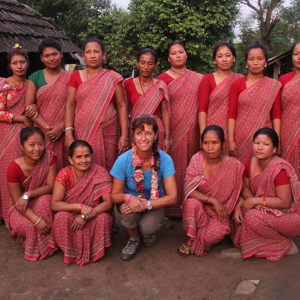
{"x":265,"y":65}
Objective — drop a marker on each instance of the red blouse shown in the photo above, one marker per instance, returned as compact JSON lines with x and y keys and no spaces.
{"x":280,"y":179}
{"x":16,"y":175}
{"x":286,"y":77}
{"x":207,"y":85}
{"x":239,"y":86}
{"x":166,"y":78}
{"x":66,"y":177}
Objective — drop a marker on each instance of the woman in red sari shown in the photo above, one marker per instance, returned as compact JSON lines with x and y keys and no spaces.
{"x":147,"y":95}
{"x":214,"y":90}
{"x":12,"y":118}
{"x":183,"y":87}
{"x":81,"y":198}
{"x":212,"y":186}
{"x":30,"y":180}
{"x":268,"y":213}
{"x":91,"y":115}
{"x":46,"y":97}
{"x":253,"y":101}
{"x":290,"y":104}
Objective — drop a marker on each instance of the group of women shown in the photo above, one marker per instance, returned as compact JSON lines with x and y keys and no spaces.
{"x":141,"y":130}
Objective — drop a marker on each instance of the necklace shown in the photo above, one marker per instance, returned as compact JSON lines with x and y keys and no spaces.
{"x":180,"y":73}
{"x":142,"y":86}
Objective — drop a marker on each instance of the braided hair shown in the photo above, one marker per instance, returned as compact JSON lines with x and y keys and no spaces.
{"x":139,"y":122}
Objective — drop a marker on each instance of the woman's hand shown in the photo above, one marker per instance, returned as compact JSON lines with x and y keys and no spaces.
{"x":123,"y":145}
{"x":78,"y":223}
{"x":166,"y":147}
{"x":43,"y":227}
{"x":26,"y":121}
{"x":31,"y":110}
{"x":21,"y":205}
{"x":125,"y":209}
{"x":136,"y":204}
{"x":232,"y":148}
{"x":249,"y":203}
{"x":53,"y":132}
{"x":220,"y":210}
{"x":238,"y":215}
{"x":88,"y":211}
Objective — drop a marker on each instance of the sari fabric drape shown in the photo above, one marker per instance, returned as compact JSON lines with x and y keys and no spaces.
{"x":200,"y":221}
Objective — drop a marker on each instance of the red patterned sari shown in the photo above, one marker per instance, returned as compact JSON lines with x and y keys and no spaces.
{"x":254,"y":108}
{"x":270,"y":234}
{"x":88,"y":244}
{"x":9,"y":141}
{"x":185,"y":136}
{"x":218,"y":105}
{"x":200,"y":221}
{"x":51,"y":101}
{"x":92,"y":100}
{"x":149,"y":103}
{"x":290,"y":126}
{"x":36,"y":244}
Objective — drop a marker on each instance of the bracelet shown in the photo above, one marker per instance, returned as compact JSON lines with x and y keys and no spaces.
{"x":128,"y":199}
{"x":264,"y":201}
{"x":167,"y":142}
{"x":38,"y":221}
{"x":69,"y":128}
{"x":81,"y":206}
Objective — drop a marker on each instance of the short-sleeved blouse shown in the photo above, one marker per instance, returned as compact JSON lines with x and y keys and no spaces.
{"x":38,"y":79}
{"x":207,"y":85}
{"x":66,"y":177}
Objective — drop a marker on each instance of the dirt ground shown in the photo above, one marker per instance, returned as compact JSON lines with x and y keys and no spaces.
{"x":155,"y":273}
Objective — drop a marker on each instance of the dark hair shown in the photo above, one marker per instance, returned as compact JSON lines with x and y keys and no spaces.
{"x":255,"y":46}
{"x":49,"y":42}
{"x":217,"y":129}
{"x":96,"y":40}
{"x":294,"y":45}
{"x":139,"y":122}
{"x":16,"y":51}
{"x":147,"y":50}
{"x":28,"y":132}
{"x":79,"y":143}
{"x":175,"y":43}
{"x":223,"y":44}
{"x":271,"y":133}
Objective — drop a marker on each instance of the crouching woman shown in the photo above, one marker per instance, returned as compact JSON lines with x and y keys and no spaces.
{"x":81,"y":198}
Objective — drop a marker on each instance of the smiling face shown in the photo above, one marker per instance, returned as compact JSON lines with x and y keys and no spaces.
{"x":18,"y":65}
{"x":263,"y":147}
{"x":296,"y":56}
{"x":146,"y":65}
{"x":93,"y":55}
{"x":256,"y":61}
{"x":212,"y":145}
{"x":34,"y":147}
{"x":82,"y":158}
{"x":177,"y":56}
{"x":224,"y":58}
{"x":51,"y":58}
{"x":144,"y":138}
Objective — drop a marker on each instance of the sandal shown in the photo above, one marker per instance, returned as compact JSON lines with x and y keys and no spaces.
{"x":187,"y":251}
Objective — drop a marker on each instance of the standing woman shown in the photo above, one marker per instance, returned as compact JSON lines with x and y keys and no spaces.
{"x":47,"y":89}
{"x":290,"y":104}
{"x":183,"y":87}
{"x":214,"y":90}
{"x":147,"y":95}
{"x":93,"y":94}
{"x":30,"y":180}
{"x":253,"y":101}
{"x":12,"y":118}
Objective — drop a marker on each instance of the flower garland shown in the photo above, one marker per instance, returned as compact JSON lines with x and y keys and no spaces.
{"x":138,"y":176}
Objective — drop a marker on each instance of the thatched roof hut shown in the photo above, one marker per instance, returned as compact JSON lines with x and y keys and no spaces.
{"x":23,"y":25}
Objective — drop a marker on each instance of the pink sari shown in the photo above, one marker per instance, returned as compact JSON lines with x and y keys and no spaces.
{"x":200,"y":221}
{"x":88,"y":244}
{"x":51,"y":101}
{"x":264,"y":235}
{"x":183,"y":93}
{"x":92,"y":100}
{"x":36,"y":244}
{"x":148,"y":104}
{"x":290,"y":126}
{"x":218,"y":106}
{"x":9,"y":143}
{"x":254,"y":109}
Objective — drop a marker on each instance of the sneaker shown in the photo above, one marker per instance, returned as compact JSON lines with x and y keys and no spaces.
{"x":149,"y":241}
{"x":128,"y":252}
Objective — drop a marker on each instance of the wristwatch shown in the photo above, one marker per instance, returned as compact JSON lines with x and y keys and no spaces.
{"x":149,"y":205}
{"x":25,"y":197}
{"x":83,"y":216}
